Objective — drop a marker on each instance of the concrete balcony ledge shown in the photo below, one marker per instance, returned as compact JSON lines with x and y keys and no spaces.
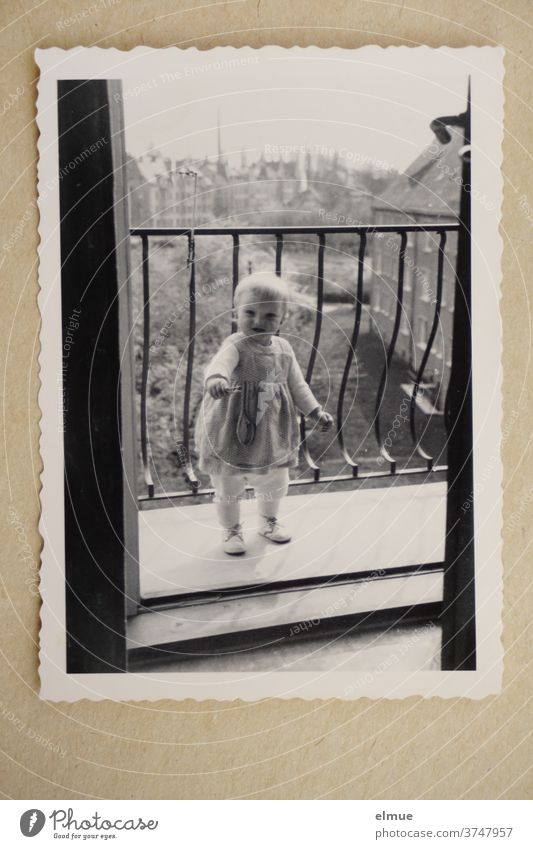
{"x":359,"y":535}
{"x":333,"y":534}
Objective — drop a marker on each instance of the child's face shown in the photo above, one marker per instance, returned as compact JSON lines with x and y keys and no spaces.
{"x":261,"y":319}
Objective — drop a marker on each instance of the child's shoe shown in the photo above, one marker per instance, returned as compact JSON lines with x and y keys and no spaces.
{"x":273,"y":531}
{"x":233,"y":542}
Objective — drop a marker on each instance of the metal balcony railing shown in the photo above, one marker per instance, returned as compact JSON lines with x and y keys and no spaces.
{"x":321,"y":233}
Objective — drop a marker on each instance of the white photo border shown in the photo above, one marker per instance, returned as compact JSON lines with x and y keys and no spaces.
{"x":486,"y":67}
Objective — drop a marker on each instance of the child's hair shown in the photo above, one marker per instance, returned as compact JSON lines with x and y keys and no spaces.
{"x":266,"y":286}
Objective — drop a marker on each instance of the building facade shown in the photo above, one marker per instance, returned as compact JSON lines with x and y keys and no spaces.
{"x":427,"y":193}
{"x":285,"y":189}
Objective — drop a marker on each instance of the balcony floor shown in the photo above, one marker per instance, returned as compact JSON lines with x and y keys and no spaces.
{"x":333,"y":533}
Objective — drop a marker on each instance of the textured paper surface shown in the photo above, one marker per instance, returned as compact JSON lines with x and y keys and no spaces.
{"x":363,"y":749}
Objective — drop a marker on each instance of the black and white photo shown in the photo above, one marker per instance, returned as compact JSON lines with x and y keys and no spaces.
{"x":270,"y":372}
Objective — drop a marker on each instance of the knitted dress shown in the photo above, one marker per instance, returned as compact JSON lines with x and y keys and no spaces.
{"x":255,"y":428}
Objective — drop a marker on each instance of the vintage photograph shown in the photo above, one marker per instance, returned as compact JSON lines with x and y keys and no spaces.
{"x":270,"y":372}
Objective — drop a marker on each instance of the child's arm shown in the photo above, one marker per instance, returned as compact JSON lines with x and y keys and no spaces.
{"x":221,"y":367}
{"x":302,"y":395}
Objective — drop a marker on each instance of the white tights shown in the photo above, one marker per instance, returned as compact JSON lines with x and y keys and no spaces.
{"x":269,"y":487}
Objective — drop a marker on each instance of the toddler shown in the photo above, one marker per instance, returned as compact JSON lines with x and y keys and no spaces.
{"x":247,"y":428}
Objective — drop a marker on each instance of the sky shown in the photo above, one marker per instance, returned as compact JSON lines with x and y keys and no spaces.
{"x":371,"y":106}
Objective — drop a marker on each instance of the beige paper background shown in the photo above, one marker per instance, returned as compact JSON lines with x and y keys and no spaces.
{"x":413,"y":748}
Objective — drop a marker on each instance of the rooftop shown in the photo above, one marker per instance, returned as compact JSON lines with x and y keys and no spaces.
{"x":431,"y":184}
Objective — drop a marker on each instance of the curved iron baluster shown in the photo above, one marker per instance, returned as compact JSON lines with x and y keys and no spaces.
{"x":351,"y":353}
{"x":279,"y":251}
{"x":235,"y":275}
{"x":279,"y":255}
{"x":316,"y":340}
{"x":440,"y":274}
{"x":392,"y":344}
{"x":145,"y":366}
{"x":183,"y":448}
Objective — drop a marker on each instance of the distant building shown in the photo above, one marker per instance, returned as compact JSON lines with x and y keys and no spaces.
{"x":288,"y":185}
{"x":428,"y":192}
{"x":159,"y":196}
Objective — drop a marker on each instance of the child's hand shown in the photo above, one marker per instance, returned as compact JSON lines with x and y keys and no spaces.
{"x":217,"y":387}
{"x":325,"y":420}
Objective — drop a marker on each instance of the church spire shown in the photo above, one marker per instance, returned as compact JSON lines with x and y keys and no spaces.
{"x":221,"y":164}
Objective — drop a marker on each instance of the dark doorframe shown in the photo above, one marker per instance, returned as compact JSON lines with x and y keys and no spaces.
{"x":98,"y":424}
{"x":126,"y":351}
{"x":458,"y":617}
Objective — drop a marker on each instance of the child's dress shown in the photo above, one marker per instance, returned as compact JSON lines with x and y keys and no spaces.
{"x":255,"y":428}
